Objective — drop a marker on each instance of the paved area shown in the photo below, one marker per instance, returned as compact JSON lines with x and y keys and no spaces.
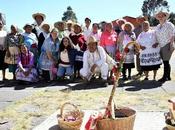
{"x":143,"y":121}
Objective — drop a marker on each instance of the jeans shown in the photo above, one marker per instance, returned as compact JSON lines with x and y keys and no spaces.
{"x":65,"y":71}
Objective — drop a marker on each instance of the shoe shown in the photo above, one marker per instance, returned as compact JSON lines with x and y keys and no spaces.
{"x":124,"y":78}
{"x":162,"y":80}
{"x":129,"y":77}
{"x":104,"y":83}
{"x":146,"y":79}
{"x":169,"y":79}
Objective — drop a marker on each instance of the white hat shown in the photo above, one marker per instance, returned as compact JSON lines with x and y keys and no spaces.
{"x":39,"y":14}
{"x":162,"y":12}
{"x":91,"y":39}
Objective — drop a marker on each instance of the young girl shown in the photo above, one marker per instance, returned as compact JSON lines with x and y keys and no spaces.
{"x":66,"y":59}
{"x":26,"y":70}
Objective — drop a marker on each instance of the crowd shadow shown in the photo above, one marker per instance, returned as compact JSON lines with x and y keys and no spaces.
{"x":137,"y":85}
{"x":132,"y":85}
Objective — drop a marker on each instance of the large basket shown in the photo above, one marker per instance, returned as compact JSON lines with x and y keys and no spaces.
{"x":65,"y":124}
{"x":124,"y":120}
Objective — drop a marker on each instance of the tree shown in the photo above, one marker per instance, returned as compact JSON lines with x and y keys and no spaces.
{"x":69,"y":15}
{"x":150,"y":7}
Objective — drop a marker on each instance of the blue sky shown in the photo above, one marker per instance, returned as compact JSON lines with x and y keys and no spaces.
{"x":20,"y":12}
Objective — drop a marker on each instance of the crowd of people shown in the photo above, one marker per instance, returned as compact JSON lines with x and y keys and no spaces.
{"x":71,"y":50}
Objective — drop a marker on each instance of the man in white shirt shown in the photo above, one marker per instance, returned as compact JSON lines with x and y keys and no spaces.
{"x":94,"y":61}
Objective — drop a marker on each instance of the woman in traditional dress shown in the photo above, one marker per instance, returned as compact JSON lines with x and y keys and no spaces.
{"x":13,"y":40}
{"x":150,"y":54}
{"x":126,"y":36}
{"x":30,"y":40}
{"x":26,"y":70}
{"x":48,"y":59}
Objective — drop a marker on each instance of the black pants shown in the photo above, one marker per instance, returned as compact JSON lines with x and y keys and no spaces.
{"x":167,"y":70}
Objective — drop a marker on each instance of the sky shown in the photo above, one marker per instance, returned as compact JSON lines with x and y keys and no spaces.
{"x":20,"y":12}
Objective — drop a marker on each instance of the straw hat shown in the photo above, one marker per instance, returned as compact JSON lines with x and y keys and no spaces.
{"x":39,"y":14}
{"x":57,"y":23}
{"x":91,"y":39}
{"x":69,"y":22}
{"x":162,"y":12}
{"x":46,"y":24}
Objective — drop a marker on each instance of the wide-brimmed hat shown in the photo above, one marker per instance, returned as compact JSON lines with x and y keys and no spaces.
{"x":162,"y":12}
{"x":39,"y":14}
{"x":91,"y":39}
{"x":27,"y":25}
{"x":69,"y":22}
{"x":57,"y":23}
{"x":45,"y":24}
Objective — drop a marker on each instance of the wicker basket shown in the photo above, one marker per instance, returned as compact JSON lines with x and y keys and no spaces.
{"x":169,"y":127}
{"x":65,"y":124}
{"x":124,"y":121}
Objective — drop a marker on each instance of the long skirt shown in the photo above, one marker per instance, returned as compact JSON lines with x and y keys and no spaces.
{"x":32,"y":77}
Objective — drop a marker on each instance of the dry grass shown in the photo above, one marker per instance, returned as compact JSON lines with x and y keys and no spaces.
{"x":48,"y":101}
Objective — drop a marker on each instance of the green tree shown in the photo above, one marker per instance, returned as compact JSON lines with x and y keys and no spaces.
{"x":69,"y":15}
{"x":150,"y":7}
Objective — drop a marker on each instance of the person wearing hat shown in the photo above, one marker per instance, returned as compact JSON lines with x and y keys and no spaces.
{"x":69,"y":28}
{"x":31,"y":41}
{"x":3,"y":35}
{"x":60,"y":25}
{"x":165,"y":39}
{"x":126,"y":36}
{"x":94,"y":61}
{"x":79,"y":43}
{"x":87,"y":29}
{"x":43,"y":35}
{"x":39,"y":19}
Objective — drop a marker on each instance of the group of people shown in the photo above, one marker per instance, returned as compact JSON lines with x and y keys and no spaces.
{"x":68,"y":49}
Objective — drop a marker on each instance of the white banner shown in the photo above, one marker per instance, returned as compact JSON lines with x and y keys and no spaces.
{"x":150,"y":56}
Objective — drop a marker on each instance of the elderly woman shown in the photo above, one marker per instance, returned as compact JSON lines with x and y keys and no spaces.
{"x":165,"y":39}
{"x":149,"y":55}
{"x":126,"y":36}
{"x":108,"y":39}
{"x":3,"y":35}
{"x":13,"y":40}
{"x":26,"y":70}
{"x":94,"y":60}
{"x":49,"y":55}
{"x":30,"y":40}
